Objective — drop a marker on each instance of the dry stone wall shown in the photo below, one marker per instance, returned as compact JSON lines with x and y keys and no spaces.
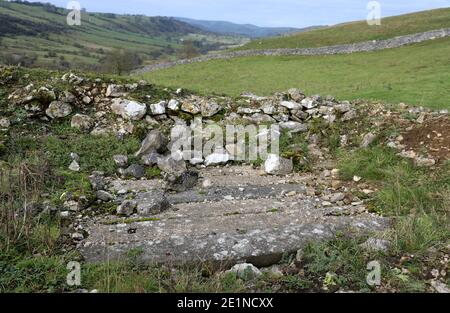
{"x":329,"y":50}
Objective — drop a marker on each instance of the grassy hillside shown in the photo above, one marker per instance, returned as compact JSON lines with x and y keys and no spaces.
{"x":359,"y":31}
{"x":40,"y":33}
{"x":247,"y":30}
{"x":417,"y":74}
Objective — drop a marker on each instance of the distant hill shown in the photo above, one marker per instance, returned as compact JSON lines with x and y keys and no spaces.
{"x":358,"y":31}
{"x":247,"y":30}
{"x":38,"y":35}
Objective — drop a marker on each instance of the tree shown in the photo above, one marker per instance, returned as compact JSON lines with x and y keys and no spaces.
{"x":120,"y":61}
{"x":188,"y":50}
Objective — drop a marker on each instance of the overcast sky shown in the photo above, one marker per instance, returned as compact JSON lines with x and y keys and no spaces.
{"x":294,"y":13}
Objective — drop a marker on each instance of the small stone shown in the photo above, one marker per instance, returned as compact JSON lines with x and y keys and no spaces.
{"x":127,"y":208}
{"x":337,"y":197}
{"x":185,"y":181}
{"x":135,"y":170}
{"x":174,"y":105}
{"x":309,"y":103}
{"x":58,"y":109}
{"x":97,"y":181}
{"x":210,"y":108}
{"x":158,"y":108}
{"x":74,"y":166}
{"x":170,"y":165}
{"x":155,"y":141}
{"x":152,"y":203}
{"x":357,"y":179}
{"x":368,"y":140}
{"x":4,"y":123}
{"x":217,"y":158}
{"x":350,"y":115}
{"x":291,"y":105}
{"x":191,"y":108}
{"x":294,"y":127}
{"x":104,"y":196}
{"x":439,"y":286}
{"x":150,"y":159}
{"x":276,"y":165}
{"x":87,"y":100}
{"x":127,"y":109}
{"x":245,"y":271}
{"x":77,"y":236}
{"x":120,"y":160}
{"x":115,"y":91}
{"x":82,"y":122}
{"x":424,"y":162}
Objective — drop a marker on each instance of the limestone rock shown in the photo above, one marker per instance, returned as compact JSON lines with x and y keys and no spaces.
{"x":294,"y":127}
{"x":127,"y":208}
{"x":174,"y":105}
{"x":155,"y":141}
{"x":120,"y":160}
{"x":58,"y":109}
{"x":210,"y":108}
{"x":158,"y":108}
{"x":217,"y":158}
{"x":82,"y":122}
{"x":130,"y":110}
{"x":115,"y":91}
{"x":368,"y":140}
{"x":291,"y":105}
{"x":170,"y":165}
{"x":245,"y":271}
{"x":152,"y":203}
{"x":276,"y":165}
{"x":190,"y":107}
{"x":135,"y":170}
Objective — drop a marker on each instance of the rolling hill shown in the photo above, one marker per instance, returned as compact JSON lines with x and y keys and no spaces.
{"x":247,"y":30}
{"x":358,"y":31}
{"x":38,"y":35}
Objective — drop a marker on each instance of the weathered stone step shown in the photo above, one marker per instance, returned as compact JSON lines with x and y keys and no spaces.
{"x":254,"y":230}
{"x":232,"y":193}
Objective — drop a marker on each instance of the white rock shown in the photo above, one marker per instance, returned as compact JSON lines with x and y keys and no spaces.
{"x":173,"y":105}
{"x":294,"y":127}
{"x":276,"y":165}
{"x":128,"y":109}
{"x":217,"y":158}
{"x":245,"y":271}
{"x":291,"y":105}
{"x":5,"y":123}
{"x":244,"y":110}
{"x":309,"y":103}
{"x":82,"y":122}
{"x":424,"y":162}
{"x":368,"y":139}
{"x":74,"y":166}
{"x":158,"y":108}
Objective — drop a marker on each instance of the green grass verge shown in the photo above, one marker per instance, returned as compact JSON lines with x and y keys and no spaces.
{"x":416,"y":75}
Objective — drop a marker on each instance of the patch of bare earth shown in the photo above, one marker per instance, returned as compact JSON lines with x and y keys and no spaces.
{"x":433,"y":136}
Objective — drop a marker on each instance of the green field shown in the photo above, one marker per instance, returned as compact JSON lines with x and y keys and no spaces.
{"x":416,"y":75}
{"x":359,"y":31}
